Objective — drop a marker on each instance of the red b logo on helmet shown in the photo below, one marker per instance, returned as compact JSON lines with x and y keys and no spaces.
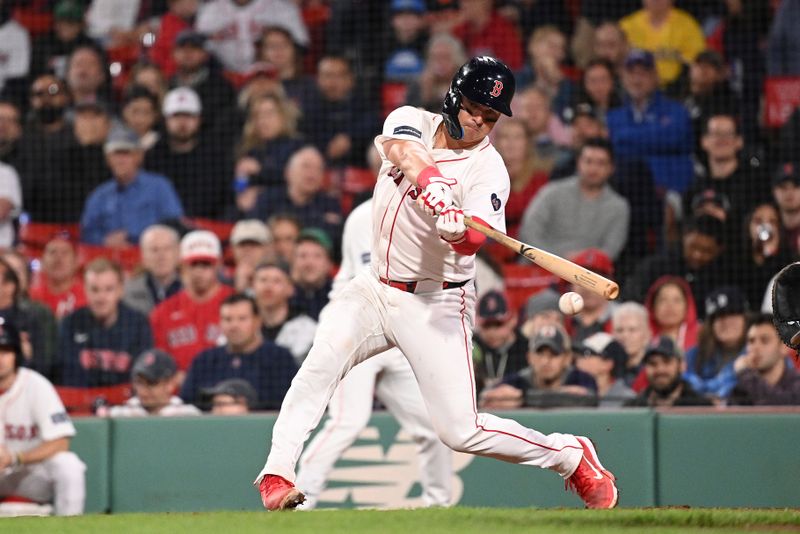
{"x":497,"y":89}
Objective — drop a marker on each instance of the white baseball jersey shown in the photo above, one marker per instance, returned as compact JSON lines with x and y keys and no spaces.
{"x":356,"y":245}
{"x":233,"y":28}
{"x":31,"y":412}
{"x":406,"y":246}
{"x":134,"y":408}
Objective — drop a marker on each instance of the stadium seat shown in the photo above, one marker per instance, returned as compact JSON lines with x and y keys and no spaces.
{"x":128,"y":257}
{"x":81,"y":401}
{"x":781,"y":98}
{"x":36,"y":234}
{"x":523,"y":280}
{"x":393,"y":95}
{"x":221,"y":229}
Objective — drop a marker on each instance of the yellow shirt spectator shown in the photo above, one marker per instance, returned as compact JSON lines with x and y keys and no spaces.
{"x":675,"y":43}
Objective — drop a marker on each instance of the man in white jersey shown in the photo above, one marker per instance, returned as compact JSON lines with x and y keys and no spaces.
{"x":386,"y":375}
{"x":35,"y":461}
{"x":419,"y":295}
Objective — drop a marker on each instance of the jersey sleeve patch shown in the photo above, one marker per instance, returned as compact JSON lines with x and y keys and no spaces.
{"x":60,"y":417}
{"x":496,"y":202}
{"x":407,"y":130}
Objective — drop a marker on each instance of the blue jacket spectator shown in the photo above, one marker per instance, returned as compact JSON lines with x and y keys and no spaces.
{"x":651,"y":127}
{"x":120,"y":209}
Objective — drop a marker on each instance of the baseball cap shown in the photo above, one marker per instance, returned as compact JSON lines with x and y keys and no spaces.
{"x":581,"y":109}
{"x":787,"y":172}
{"x":182,"y":100}
{"x":726,"y":300}
{"x":662,"y":346}
{"x":190,"y":37}
{"x":604,"y":345}
{"x":121,"y":139}
{"x":714,"y":197}
{"x":551,"y":337}
{"x":543,"y":301}
{"x":250,"y":230}
{"x":493,"y":306}
{"x":641,"y":58}
{"x":710,"y":57}
{"x":413,"y":6}
{"x":9,"y":335}
{"x":200,"y":245}
{"x":595,"y":260}
{"x":154,"y":365}
{"x":236,"y":388}
{"x":70,"y":10}
{"x":317,"y":235}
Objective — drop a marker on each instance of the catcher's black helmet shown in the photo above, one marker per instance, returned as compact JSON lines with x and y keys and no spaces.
{"x":484,"y":80}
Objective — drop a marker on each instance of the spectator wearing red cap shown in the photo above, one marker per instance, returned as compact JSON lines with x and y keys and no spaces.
{"x":59,"y":285}
{"x":188,"y":322}
{"x":596,"y":314}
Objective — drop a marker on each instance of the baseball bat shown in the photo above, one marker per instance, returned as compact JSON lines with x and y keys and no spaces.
{"x":563,"y":268}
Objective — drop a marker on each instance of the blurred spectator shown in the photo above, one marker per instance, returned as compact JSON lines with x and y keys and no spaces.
{"x":485,"y":32}
{"x":404,"y":45}
{"x":140,"y":113}
{"x":599,"y":88}
{"x":514,"y":144}
{"x":285,"y":230}
{"x":51,"y":50}
{"x":85,"y":160}
{"x":59,"y":285}
{"x":195,"y":163}
{"x":15,"y":49}
{"x":149,"y":76}
{"x":550,"y":136}
{"x":251,"y":244}
{"x":97,"y":342}
{"x":697,"y":259}
{"x":498,"y":346}
{"x":119,"y":210}
{"x":339,"y":120}
{"x":280,"y":51}
{"x":630,"y":325}
{"x":266,"y":366}
{"x":234,"y":27}
{"x":736,"y":180}
{"x":280,"y":323}
{"x":154,"y":378}
{"x":602,"y":357}
{"x":710,"y":93}
{"x":112,"y":22}
{"x":611,"y":44}
{"x":549,"y":380}
{"x":234,"y":396}
{"x":786,"y":190}
{"x":709,"y":366}
{"x":37,"y":330}
{"x":541,"y":309}
{"x":10,"y":132}
{"x":585,"y":125}
{"x":533,"y":14}
{"x":444,"y":55}
{"x":159,"y":278}
{"x":179,"y":17}
{"x":652,"y":127}
{"x":764,"y":376}
{"x":547,"y":50}
{"x":783,"y":49}
{"x":269,"y":139}
{"x":10,"y":204}
{"x":302,"y":196}
{"x":581,"y":211}
{"x":672,"y":311}
{"x":672,"y":34}
{"x":596,"y":314}
{"x":87,"y":75}
{"x":311,"y":272}
{"x":188,"y":322}
{"x":196,"y":68}
{"x":34,"y":456}
{"x":662,"y":364}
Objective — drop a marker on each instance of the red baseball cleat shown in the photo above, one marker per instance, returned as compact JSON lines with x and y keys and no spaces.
{"x":277,"y":493}
{"x":591,"y":481}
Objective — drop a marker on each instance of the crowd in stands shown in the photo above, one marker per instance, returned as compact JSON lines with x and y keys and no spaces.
{"x":175,"y":176}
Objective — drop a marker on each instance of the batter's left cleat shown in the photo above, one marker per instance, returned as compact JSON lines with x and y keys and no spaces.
{"x":277,"y":493}
{"x":591,"y":481}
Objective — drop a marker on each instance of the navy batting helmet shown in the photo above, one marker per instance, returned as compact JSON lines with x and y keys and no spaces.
{"x":10,"y":339}
{"x":484,"y":80}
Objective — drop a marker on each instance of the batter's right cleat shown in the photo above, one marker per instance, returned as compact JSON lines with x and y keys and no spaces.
{"x":591,"y":481}
{"x":277,"y":493}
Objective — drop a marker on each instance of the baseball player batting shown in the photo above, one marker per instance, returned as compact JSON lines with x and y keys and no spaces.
{"x":419,"y":294}
{"x":390,"y":378}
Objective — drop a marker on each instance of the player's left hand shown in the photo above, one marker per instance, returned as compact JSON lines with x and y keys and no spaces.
{"x":450,"y":225}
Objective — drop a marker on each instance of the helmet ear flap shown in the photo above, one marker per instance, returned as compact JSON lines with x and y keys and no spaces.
{"x":450,"y":109}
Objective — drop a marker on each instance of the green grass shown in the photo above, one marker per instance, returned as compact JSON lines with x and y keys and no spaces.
{"x":453,"y":520}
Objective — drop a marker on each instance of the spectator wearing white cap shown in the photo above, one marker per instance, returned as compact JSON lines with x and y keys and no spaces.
{"x":603,"y":357}
{"x":188,"y":322}
{"x":252,"y":244}
{"x":197,"y":167}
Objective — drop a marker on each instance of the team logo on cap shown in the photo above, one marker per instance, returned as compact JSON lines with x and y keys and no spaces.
{"x":496,"y":202}
{"x":497,"y":89}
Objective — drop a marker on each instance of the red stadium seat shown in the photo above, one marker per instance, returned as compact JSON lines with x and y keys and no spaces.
{"x":128,"y":257}
{"x":781,"y":97}
{"x":393,"y":95}
{"x":523,"y":280}
{"x":79,"y":401}
{"x":221,"y":229}
{"x":36,"y":234}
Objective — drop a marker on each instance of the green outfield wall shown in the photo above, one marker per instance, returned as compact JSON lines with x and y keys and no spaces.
{"x":707,"y":458}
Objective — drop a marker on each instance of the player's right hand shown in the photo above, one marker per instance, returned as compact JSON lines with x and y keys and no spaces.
{"x":435,"y":198}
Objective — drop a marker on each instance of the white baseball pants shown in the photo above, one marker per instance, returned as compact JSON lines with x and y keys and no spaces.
{"x":433,"y":329}
{"x":390,"y":378}
{"x":59,"y":480}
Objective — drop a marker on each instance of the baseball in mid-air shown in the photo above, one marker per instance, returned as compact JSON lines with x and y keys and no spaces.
{"x":570,"y":303}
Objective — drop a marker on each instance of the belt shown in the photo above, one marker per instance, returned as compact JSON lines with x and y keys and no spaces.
{"x":411,"y":287}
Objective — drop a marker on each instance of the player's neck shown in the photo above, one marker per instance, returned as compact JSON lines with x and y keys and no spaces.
{"x":442,"y":139}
